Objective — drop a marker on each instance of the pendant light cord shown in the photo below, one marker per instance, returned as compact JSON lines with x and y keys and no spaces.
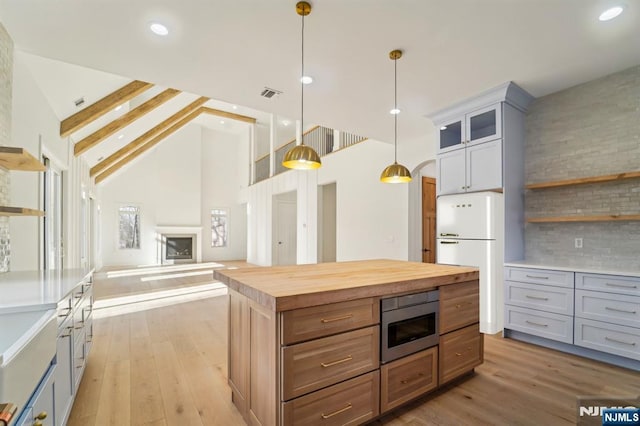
{"x":302,"y":89}
{"x":395,"y":107}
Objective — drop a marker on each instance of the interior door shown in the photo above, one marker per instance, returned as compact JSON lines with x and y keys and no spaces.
{"x":53,"y":216}
{"x":285,"y":233}
{"x":428,"y":220}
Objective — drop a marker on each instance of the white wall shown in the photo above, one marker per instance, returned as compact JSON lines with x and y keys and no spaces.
{"x":177,"y":184}
{"x":36,"y":128}
{"x":165,"y":183}
{"x":371,"y":217}
{"x":225,"y":174}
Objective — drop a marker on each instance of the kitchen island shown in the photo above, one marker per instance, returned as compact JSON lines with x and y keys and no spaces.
{"x":304,"y":341}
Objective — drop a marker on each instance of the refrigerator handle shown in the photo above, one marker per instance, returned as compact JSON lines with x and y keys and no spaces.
{"x":448,"y":235}
{"x":449,"y":242}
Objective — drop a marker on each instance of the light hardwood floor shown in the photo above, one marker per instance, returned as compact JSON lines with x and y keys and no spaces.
{"x":163,"y":362}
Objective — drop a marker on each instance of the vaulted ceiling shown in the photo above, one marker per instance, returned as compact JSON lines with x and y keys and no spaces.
{"x":229,"y":50}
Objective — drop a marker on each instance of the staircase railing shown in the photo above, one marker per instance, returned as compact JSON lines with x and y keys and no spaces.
{"x":319,"y":138}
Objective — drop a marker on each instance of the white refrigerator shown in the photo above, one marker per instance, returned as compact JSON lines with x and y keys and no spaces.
{"x":470,"y":229}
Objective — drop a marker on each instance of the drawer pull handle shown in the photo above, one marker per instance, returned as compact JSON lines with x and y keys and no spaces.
{"x":41,"y":416}
{"x":449,"y":235}
{"x":344,"y":317}
{"x":619,"y":310}
{"x":621,"y":285}
{"x":335,"y":413}
{"x":536,"y":297}
{"x":619,"y":341}
{"x":460,"y":353}
{"x":449,"y":242}
{"x":412,"y":379}
{"x":332,"y":363}
{"x":536,"y":323}
{"x":537,"y":277}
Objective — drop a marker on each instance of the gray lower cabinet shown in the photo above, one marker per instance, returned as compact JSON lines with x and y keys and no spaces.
{"x":608,"y":314}
{"x":75,"y":332}
{"x":595,"y":311}
{"x":540,"y":302}
{"x":40,"y":408}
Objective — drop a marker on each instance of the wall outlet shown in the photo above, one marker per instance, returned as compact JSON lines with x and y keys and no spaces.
{"x":578,"y":243}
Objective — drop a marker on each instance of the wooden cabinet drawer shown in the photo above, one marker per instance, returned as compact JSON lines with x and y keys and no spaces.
{"x":538,"y":296}
{"x":348,"y":403}
{"x":539,"y":276}
{"x":460,"y":352}
{"x":312,"y":365}
{"x":459,"y":306}
{"x":614,"y":308}
{"x":608,"y":283}
{"x":539,"y":323}
{"x":319,"y":321}
{"x":408,"y":378}
{"x":611,"y":338}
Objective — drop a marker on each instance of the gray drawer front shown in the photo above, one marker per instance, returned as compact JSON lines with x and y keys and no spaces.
{"x":539,"y":276}
{"x":613,"y":308}
{"x":543,"y":324}
{"x":611,"y":338}
{"x":536,"y":296}
{"x":608,"y":283}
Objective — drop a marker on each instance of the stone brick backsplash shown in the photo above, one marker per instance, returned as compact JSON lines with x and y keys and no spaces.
{"x":6,"y":82}
{"x":588,"y":130}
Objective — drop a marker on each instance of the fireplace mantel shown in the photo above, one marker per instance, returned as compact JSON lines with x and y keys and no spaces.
{"x":164,"y":230}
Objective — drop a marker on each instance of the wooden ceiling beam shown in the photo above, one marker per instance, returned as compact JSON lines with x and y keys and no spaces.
{"x":230,"y":115}
{"x":118,"y":124}
{"x":94,"y":111}
{"x":147,"y":136}
{"x":144,"y":148}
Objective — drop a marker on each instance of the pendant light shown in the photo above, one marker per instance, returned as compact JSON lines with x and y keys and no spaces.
{"x":302,"y":157}
{"x":395,"y":173}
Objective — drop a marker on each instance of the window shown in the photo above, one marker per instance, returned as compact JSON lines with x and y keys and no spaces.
{"x":129,"y":227}
{"x":219,"y":227}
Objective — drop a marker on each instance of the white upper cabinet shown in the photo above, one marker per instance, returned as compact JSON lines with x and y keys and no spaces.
{"x":477,"y":137}
{"x":482,"y":125}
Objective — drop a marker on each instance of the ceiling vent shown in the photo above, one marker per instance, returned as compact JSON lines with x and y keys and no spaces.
{"x":79,"y":102}
{"x":270,"y":93}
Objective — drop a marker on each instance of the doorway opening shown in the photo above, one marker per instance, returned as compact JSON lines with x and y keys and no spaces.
{"x":52,"y":235}
{"x":285,"y":225}
{"x":327,"y":223}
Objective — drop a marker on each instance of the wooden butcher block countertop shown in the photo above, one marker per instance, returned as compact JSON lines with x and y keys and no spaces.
{"x":282,"y":288}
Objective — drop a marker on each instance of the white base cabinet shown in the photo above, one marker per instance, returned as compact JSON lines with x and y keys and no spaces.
{"x":41,"y":407}
{"x":599,"y":312}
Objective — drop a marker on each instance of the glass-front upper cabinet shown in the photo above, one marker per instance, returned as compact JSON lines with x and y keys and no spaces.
{"x":482,"y":125}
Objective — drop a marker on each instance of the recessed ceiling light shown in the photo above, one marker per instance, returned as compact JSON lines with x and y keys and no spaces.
{"x":118,"y":108}
{"x":443,"y":128}
{"x":394,"y":111}
{"x":221,"y":121}
{"x":121,"y":135}
{"x":235,"y":107}
{"x":306,"y":79}
{"x":159,"y":29}
{"x":611,"y":13}
{"x":285,"y":122}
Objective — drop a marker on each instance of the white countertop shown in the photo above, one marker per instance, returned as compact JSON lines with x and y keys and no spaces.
{"x":592,"y":270}
{"x":37,"y":290}
{"x":17,"y":329}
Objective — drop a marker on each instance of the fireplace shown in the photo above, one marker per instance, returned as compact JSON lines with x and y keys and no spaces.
{"x":178,"y":248}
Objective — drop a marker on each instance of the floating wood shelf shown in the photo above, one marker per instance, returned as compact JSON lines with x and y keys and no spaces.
{"x":604,"y":218}
{"x":19,"y":211}
{"x":19,"y":159}
{"x":584,"y":181}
